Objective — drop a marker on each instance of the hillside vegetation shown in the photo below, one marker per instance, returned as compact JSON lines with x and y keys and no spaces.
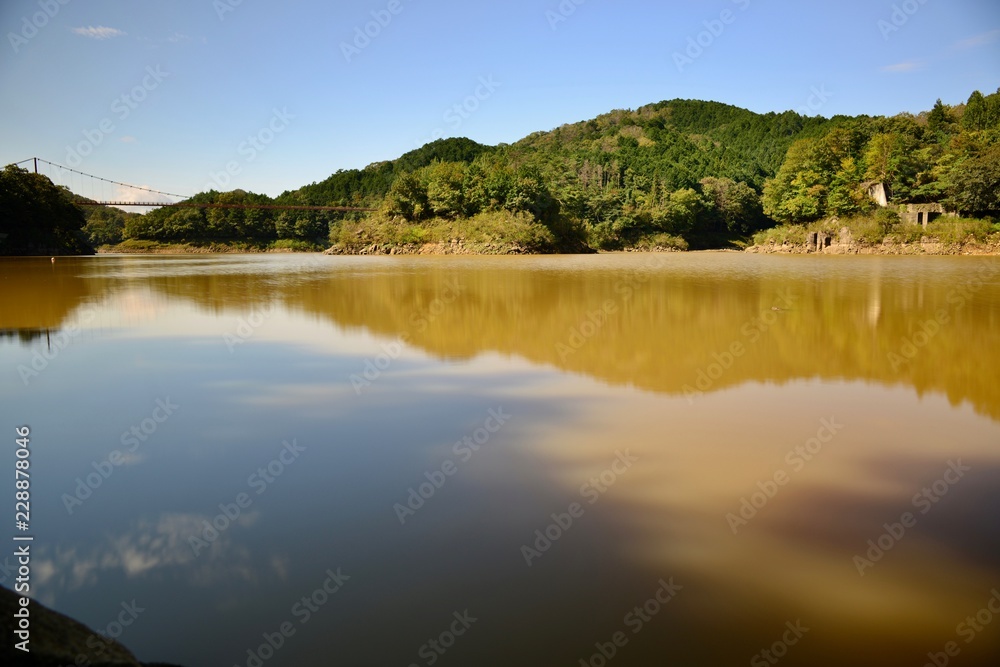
{"x":37,"y":217}
{"x":674,"y":174}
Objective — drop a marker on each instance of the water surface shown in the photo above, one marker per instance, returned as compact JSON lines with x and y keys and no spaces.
{"x":725,"y":431}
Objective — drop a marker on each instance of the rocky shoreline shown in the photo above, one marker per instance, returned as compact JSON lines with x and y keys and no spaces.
{"x":843,"y":244}
{"x":456,"y":247}
{"x":193,"y":250}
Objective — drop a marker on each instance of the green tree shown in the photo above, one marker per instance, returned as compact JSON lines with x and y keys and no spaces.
{"x":846,"y":196}
{"x":975,"y":183}
{"x":797,"y":192}
{"x":977,"y":112}
{"x":736,"y":206}
{"x":445,"y":188}
{"x":105,"y":225}
{"x":939,"y":119}
{"x":37,"y":217}
{"x":407,"y":198}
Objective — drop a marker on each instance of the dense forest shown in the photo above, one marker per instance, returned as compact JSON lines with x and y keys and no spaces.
{"x":673,"y":174}
{"x":37,"y":217}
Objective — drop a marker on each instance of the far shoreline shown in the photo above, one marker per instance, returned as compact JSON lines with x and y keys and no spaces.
{"x":888,"y":247}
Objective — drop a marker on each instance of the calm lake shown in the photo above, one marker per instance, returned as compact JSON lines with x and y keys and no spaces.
{"x":684,"y":459}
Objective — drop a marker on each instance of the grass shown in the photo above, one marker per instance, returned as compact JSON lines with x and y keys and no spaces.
{"x":498,"y":230}
{"x":295,"y":245}
{"x":948,"y":231}
{"x":793,"y":234}
{"x":871,"y":230}
{"x":281,"y":245}
{"x":661,"y":242}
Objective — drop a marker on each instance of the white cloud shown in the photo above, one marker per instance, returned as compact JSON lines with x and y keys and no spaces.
{"x":979,"y":40}
{"x":152,"y":546}
{"x":99,"y":32}
{"x":908,"y":66}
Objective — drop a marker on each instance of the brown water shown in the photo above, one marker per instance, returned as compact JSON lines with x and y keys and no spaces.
{"x":727,"y":432}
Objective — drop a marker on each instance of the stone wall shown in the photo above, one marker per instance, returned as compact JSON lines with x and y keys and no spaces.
{"x":921,"y":214}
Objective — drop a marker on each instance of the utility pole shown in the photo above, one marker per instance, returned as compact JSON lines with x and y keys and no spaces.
{"x":36,"y":164}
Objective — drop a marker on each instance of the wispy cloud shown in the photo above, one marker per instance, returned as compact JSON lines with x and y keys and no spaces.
{"x":907,"y":66}
{"x":979,"y":40}
{"x":128,"y":139}
{"x":98,"y":32}
{"x":175,"y":38}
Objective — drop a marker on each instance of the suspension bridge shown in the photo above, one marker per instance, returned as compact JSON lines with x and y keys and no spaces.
{"x":91,"y":190}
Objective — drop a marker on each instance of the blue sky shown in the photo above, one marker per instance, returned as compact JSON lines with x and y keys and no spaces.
{"x":268,"y":96}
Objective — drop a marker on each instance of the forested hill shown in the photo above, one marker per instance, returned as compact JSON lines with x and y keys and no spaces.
{"x":366,"y":187}
{"x":622,"y":179}
{"x":677,"y":143}
{"x":680,"y":173}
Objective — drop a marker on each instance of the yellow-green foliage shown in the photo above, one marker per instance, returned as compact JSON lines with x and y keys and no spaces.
{"x":864,"y":229}
{"x":661,"y":241}
{"x":495,"y":227}
{"x":951,"y":230}
{"x":873,"y":230}
{"x":781,"y":234}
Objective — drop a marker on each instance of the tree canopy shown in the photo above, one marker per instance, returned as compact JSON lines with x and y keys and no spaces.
{"x":38,"y":217}
{"x":676,"y":172}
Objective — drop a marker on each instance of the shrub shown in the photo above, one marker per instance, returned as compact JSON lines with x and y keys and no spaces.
{"x":793,"y":234}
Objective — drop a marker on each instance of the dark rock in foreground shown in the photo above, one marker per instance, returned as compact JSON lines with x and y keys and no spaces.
{"x":57,"y":640}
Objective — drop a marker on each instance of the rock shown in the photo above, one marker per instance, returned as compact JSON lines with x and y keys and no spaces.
{"x":58,"y":640}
